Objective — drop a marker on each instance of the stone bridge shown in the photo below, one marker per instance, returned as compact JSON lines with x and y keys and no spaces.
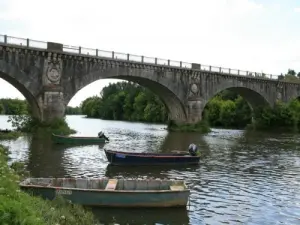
{"x":50,"y":74}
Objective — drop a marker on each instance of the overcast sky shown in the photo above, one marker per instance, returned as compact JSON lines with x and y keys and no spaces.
{"x":260,"y":35}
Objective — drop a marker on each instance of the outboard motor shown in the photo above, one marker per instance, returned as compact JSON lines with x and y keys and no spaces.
{"x":193,"y":149}
{"x":100,"y":134}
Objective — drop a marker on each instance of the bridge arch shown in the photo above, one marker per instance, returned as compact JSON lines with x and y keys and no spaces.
{"x":160,"y":84}
{"x":251,"y":94}
{"x":253,"y":98}
{"x":18,"y":78}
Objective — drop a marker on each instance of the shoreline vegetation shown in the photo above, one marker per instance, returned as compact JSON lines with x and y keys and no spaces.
{"x":18,"y":207}
{"x":128,"y":101}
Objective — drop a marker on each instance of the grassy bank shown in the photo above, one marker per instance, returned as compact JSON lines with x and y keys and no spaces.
{"x":17,"y":207}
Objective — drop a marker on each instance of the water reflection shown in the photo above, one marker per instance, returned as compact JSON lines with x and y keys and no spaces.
{"x":174,"y":216}
{"x":243,"y":177}
{"x":45,"y":158}
{"x":158,"y":171}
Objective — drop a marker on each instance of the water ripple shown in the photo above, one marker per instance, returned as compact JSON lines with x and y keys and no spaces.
{"x":243,"y":178}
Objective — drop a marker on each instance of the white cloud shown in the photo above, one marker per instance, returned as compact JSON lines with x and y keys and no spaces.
{"x":239,"y":34}
{"x":297,"y":9}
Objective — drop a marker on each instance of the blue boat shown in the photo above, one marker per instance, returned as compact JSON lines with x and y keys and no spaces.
{"x":132,"y":158}
{"x":107,"y":192}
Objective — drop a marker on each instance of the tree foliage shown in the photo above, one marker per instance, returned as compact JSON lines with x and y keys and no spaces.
{"x":10,"y":106}
{"x":125,"y":101}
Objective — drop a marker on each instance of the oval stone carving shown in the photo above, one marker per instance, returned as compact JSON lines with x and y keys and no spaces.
{"x":53,"y":75}
{"x":194,"y":88}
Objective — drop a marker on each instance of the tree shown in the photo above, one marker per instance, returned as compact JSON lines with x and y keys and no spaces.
{"x":291,"y":72}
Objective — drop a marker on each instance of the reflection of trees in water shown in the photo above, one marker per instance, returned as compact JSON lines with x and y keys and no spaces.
{"x":142,"y":216}
{"x":181,"y":141}
{"x":45,"y":158}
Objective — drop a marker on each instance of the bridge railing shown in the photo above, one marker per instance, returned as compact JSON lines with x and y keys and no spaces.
{"x":15,"y":41}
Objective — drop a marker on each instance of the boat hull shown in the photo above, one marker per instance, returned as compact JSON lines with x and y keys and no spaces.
{"x":58,"y":139}
{"x":134,"y":196}
{"x":123,"y":158}
{"x":115,"y":198}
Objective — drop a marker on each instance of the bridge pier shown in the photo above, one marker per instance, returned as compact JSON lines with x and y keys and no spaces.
{"x":51,"y":99}
{"x":194,"y":111}
{"x":52,"y":105}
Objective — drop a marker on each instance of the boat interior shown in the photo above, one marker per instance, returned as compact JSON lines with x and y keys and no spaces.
{"x":107,"y":184}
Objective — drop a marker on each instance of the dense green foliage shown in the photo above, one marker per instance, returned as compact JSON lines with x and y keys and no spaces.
{"x":73,"y":110}
{"x":229,"y":110}
{"x":283,"y":116}
{"x":10,"y":106}
{"x":125,"y":101}
{"x":18,"y":207}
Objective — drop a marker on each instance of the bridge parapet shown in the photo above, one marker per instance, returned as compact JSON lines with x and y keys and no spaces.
{"x":81,"y":51}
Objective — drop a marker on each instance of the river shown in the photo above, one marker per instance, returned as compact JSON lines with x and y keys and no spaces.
{"x":243,"y":178}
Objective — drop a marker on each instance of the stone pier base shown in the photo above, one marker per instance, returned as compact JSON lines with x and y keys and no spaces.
{"x":52,"y":106}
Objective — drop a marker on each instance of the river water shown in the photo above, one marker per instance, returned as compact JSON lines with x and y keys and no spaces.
{"x":243,"y":178}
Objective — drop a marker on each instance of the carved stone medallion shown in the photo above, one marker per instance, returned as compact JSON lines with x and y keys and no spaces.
{"x":194,"y":88}
{"x":279,"y":96}
{"x":52,"y":72}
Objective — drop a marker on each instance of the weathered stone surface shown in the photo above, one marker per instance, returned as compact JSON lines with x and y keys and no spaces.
{"x":49,"y":79}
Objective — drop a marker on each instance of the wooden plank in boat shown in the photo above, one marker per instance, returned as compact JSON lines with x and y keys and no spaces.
{"x":112,"y":184}
{"x":176,"y":187}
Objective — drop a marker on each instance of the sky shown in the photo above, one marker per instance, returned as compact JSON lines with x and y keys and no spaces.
{"x":253,"y":35}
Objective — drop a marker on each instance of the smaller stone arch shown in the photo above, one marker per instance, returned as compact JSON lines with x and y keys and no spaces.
{"x":254,"y":99}
{"x":36,"y":111}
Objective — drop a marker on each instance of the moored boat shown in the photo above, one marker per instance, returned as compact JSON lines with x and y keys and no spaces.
{"x":61,"y":139}
{"x":111,"y":192}
{"x":132,"y":158}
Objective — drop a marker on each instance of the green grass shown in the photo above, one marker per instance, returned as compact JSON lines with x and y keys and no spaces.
{"x":20,"y":208}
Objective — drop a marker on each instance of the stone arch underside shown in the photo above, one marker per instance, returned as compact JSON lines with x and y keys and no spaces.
{"x":254,"y":99}
{"x":173,"y":104}
{"x":11,"y":74}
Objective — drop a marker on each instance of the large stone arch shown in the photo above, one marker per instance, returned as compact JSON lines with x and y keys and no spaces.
{"x":22,"y":82}
{"x":162,"y":83}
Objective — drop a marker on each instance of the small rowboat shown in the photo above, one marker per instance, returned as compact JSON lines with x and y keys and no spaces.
{"x":60,"y":139}
{"x":132,"y":158}
{"x":111,"y":192}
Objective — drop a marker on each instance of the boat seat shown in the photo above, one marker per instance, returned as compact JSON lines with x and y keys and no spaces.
{"x":176,"y":187}
{"x":111,"y":184}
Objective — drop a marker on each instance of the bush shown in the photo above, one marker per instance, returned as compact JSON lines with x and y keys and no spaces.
{"x":29,"y":124}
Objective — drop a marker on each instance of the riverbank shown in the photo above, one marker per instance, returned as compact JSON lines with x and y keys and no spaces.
{"x":17,"y":207}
